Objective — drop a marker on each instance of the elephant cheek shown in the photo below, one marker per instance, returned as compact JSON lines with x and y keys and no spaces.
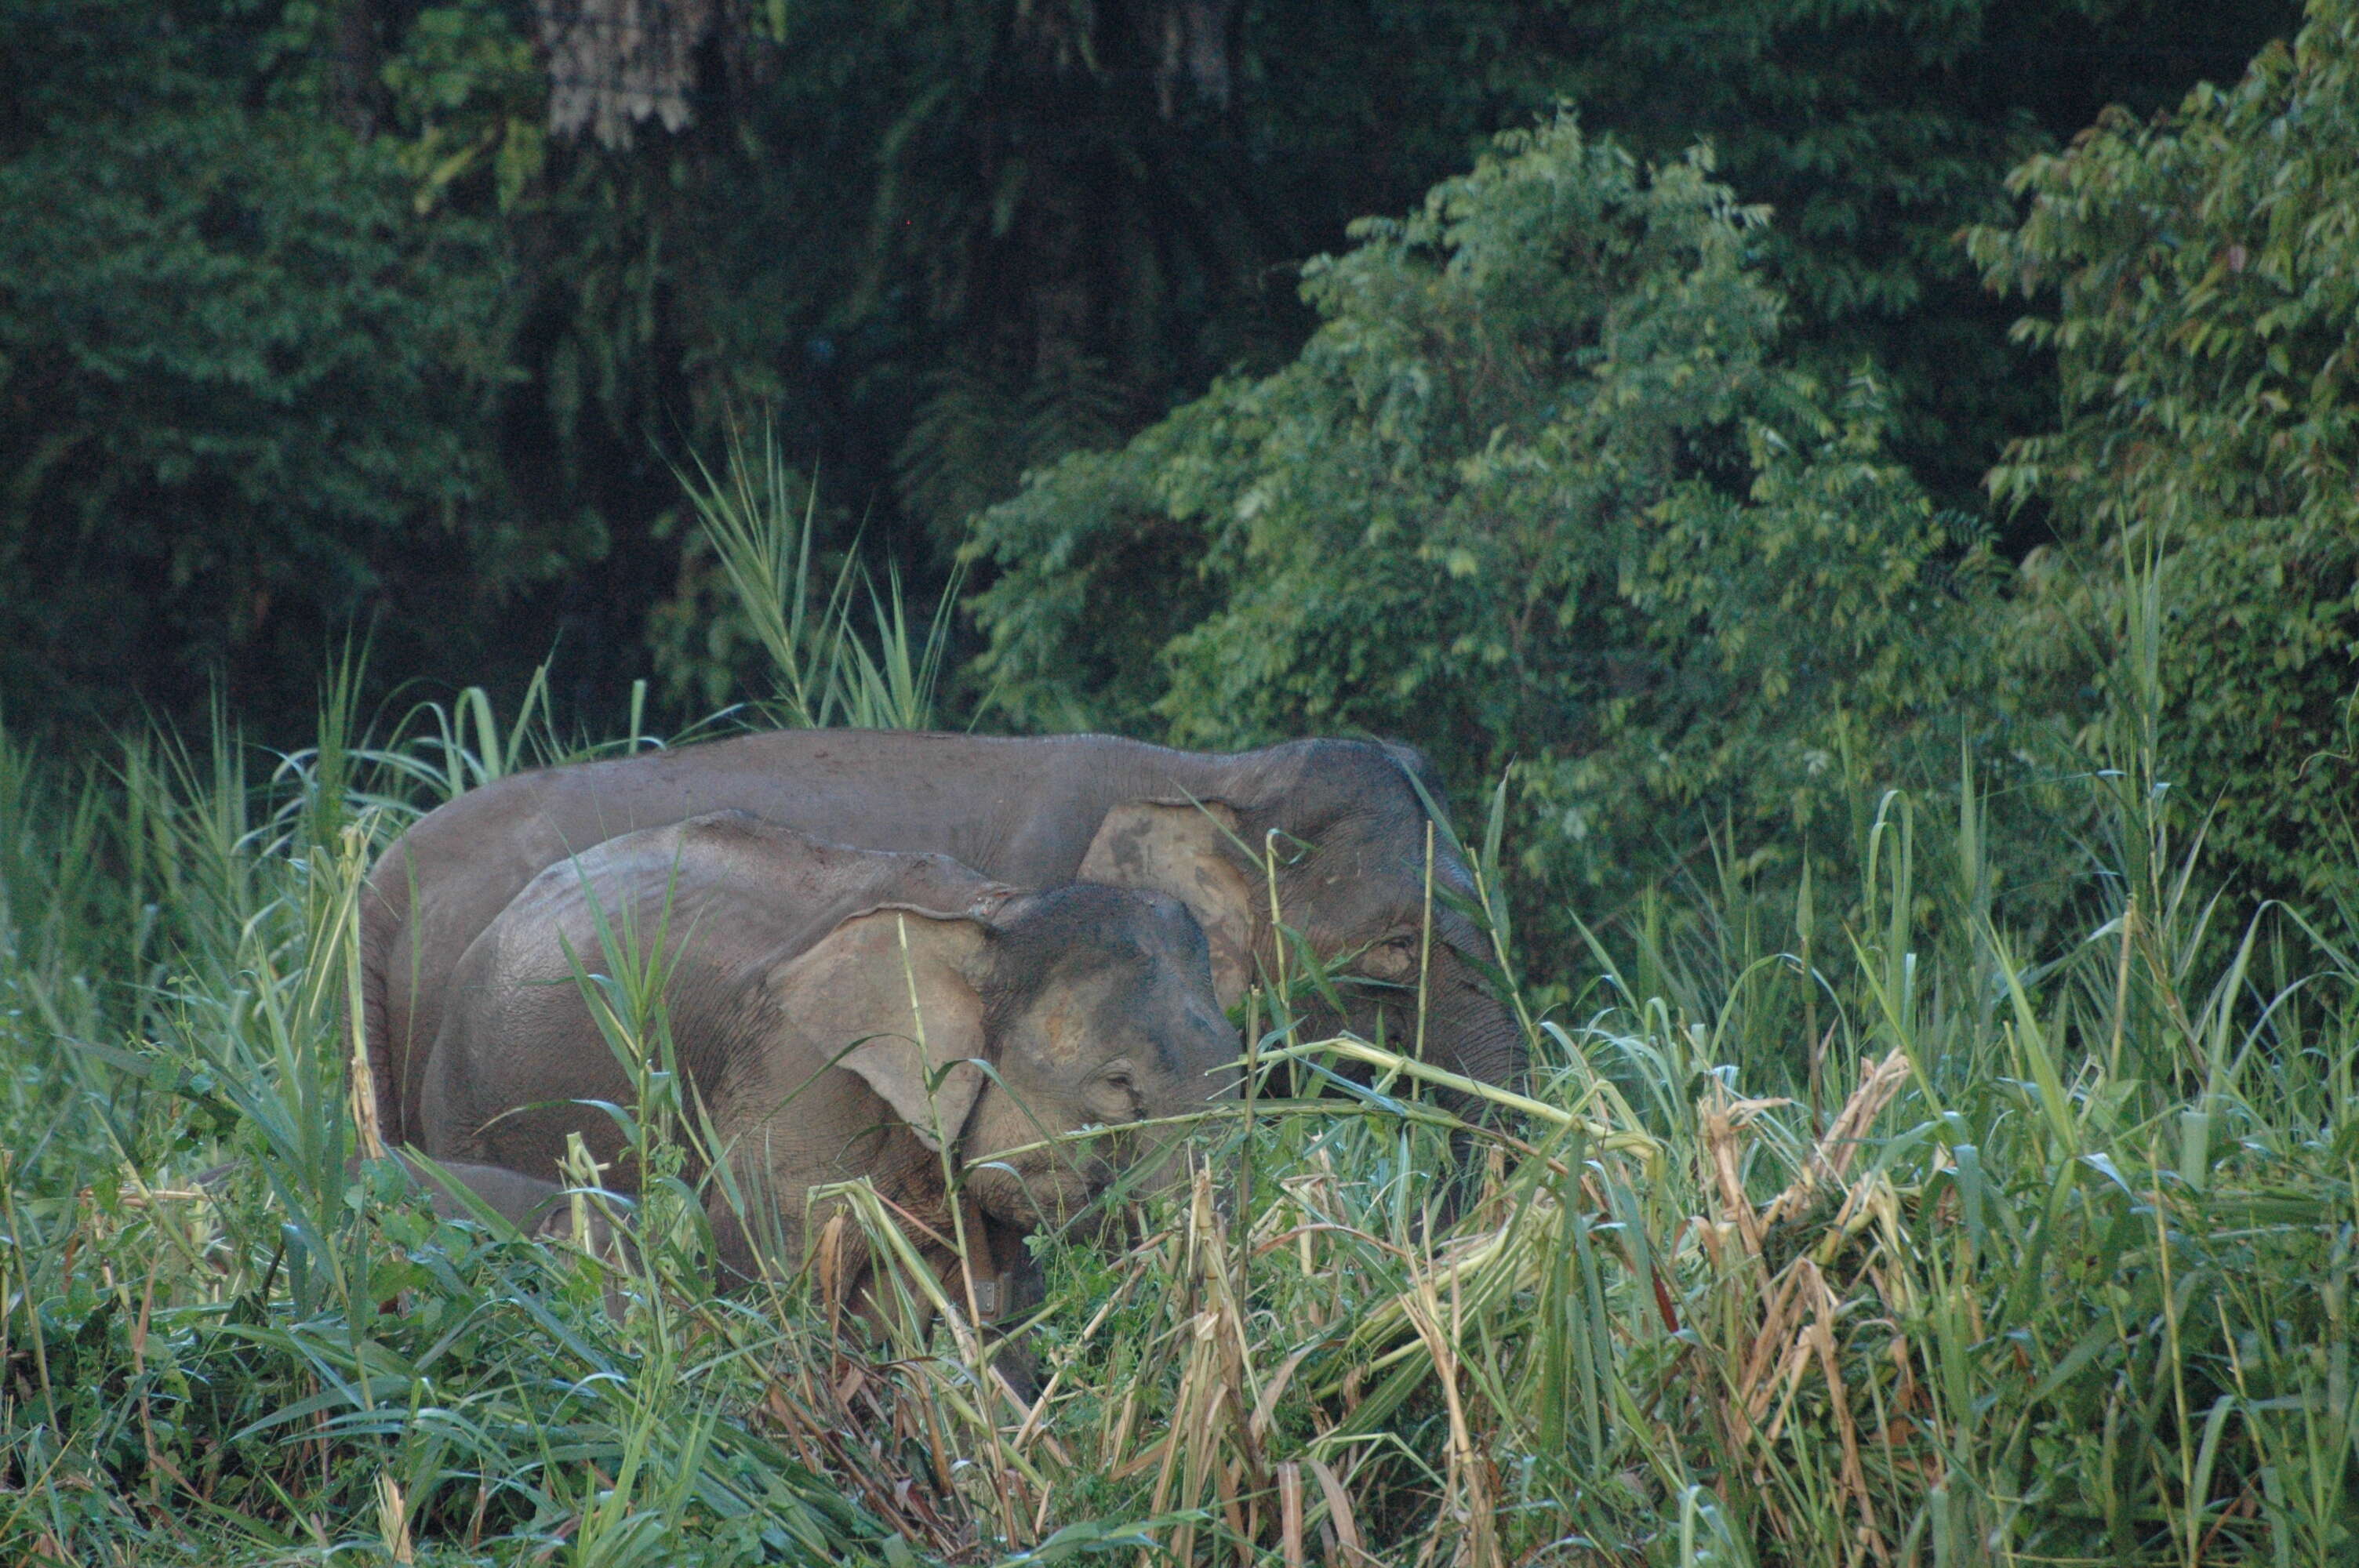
{"x":1468,"y":1031}
{"x":1386,"y":1018}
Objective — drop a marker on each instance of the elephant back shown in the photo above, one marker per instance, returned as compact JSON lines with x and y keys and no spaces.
{"x":710,"y":906}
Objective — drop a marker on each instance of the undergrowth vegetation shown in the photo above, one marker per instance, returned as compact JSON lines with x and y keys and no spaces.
{"x":1837,"y":1228}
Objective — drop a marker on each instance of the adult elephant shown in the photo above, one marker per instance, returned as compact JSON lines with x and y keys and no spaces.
{"x":1341,"y":820}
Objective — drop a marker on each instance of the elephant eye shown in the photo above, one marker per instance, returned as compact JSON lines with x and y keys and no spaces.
{"x":1393,"y":957}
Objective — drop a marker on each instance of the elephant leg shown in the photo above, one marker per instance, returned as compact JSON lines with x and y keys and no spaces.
{"x":1018,"y":1289}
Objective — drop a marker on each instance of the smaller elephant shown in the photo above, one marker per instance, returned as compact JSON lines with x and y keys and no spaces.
{"x":533,"y":1205}
{"x":838,"y":1013}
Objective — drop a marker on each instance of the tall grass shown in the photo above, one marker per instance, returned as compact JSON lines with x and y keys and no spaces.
{"x":1841,"y":1225}
{"x":760,"y":521}
{"x":2058,"y":1271}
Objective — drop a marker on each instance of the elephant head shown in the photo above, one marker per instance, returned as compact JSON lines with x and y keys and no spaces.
{"x":997,"y":1031}
{"x":842,"y":1013}
{"x":1340,"y":833}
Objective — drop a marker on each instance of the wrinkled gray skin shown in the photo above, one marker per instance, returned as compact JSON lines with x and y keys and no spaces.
{"x":789,"y":970}
{"x":1031,"y":812}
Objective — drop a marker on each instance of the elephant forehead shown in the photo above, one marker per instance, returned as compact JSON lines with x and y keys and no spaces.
{"x":1347,"y":886}
{"x":1067,"y":1024}
{"x":1383,"y":845}
{"x":1073,"y":1025}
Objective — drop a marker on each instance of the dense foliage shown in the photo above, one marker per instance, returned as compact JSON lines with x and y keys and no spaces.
{"x":1538,"y":491}
{"x":2205,"y":316}
{"x":239,"y":373}
{"x":1873,"y":130}
{"x":439,"y":347}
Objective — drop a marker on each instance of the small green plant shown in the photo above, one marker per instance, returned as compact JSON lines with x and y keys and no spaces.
{"x":759,"y":521}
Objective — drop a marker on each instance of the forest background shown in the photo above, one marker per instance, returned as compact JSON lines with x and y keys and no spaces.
{"x":1705,"y":487}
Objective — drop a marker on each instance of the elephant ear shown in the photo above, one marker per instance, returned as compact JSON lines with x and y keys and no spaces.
{"x":886,"y":995}
{"x":1186,"y":850}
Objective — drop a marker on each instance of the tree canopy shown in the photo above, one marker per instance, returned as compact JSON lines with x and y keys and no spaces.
{"x":466,"y":279}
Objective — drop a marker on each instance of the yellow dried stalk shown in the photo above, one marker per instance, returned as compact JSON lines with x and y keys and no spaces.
{"x":1340,"y":1517}
{"x":1289,"y":1513}
{"x":1209,"y":1455}
{"x":351,"y":867}
{"x":1832,"y":1157}
{"x":1800,"y":1307}
{"x":1467,"y":1494}
{"x":1720,"y":1116}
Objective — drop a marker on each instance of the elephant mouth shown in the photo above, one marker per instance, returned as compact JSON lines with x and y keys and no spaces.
{"x":1040,"y":1189}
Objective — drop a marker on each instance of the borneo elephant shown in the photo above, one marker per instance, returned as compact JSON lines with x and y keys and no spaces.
{"x":1340,"y":821}
{"x":836,"y":1014}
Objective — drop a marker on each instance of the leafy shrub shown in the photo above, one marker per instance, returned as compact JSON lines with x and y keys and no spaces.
{"x":2206,"y":319}
{"x":1538,"y":490}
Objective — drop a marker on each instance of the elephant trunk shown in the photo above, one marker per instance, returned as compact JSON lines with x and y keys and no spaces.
{"x":1492,"y":1052}
{"x":1159,"y":1161}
